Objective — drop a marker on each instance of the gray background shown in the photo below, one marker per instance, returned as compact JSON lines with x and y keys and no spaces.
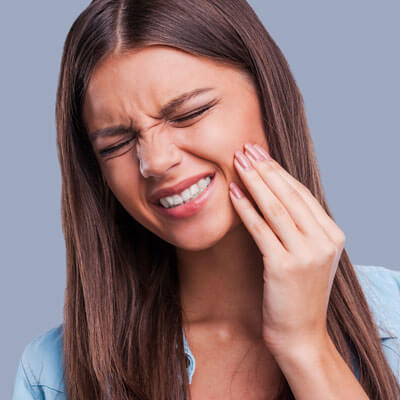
{"x":345,"y":58}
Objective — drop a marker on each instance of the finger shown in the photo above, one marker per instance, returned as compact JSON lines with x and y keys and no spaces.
{"x":265,"y":238}
{"x":275,"y":214}
{"x":326,"y":222}
{"x":289,"y":197}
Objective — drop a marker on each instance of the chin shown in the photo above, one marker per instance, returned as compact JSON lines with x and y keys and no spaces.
{"x":199,"y":244}
{"x":204,"y":236}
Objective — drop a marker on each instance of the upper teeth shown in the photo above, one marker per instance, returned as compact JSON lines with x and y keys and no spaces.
{"x":187,"y":195}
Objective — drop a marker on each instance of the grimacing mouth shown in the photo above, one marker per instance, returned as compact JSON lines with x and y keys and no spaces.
{"x":156,"y":200}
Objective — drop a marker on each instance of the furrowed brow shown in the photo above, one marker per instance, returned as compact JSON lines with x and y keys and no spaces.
{"x":111,"y":131}
{"x":173,"y":104}
{"x":165,"y":111}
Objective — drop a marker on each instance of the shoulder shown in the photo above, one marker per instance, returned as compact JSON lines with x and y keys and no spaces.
{"x":378,"y":279}
{"x":380,"y":274}
{"x":41,"y":366}
{"x":381,"y":287}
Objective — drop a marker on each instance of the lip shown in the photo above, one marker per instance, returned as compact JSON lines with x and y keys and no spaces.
{"x":191,"y":207}
{"x":179,"y":187}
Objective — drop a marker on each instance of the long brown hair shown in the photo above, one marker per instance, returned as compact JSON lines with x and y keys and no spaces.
{"x":122,"y":315}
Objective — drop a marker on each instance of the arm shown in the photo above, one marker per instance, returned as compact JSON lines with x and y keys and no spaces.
{"x":317,"y":372}
{"x":301,"y":246}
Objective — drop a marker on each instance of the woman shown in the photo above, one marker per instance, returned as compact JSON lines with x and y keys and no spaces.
{"x":188,"y":247}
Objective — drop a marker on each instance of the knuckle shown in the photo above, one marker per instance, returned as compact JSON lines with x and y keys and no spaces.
{"x":293,"y":193}
{"x":330,"y":251}
{"x":306,"y":191}
{"x":341,"y":238}
{"x":257,"y":226}
{"x":327,"y":251}
{"x":275,"y":210}
{"x":266,"y":168}
{"x":247,"y":207}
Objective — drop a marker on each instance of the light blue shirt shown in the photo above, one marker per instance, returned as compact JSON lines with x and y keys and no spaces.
{"x":40,"y":370}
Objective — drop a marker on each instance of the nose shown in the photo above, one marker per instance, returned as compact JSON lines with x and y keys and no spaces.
{"x":157,"y":154}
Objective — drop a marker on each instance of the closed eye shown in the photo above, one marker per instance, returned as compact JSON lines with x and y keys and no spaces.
{"x":110,"y":150}
{"x":193,"y":115}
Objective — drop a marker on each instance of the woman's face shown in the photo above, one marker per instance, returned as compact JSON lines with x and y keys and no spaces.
{"x":159,"y":149}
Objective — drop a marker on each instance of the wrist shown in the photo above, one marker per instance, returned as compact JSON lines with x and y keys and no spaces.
{"x":300,"y":350}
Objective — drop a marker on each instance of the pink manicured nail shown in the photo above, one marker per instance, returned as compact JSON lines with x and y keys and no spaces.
{"x":235,"y":190}
{"x":252,"y":152}
{"x":243,"y":160}
{"x":262,"y":152}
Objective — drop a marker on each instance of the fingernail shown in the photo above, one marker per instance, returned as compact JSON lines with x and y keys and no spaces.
{"x":235,"y":190}
{"x":251,"y":152}
{"x":262,"y":152}
{"x":243,"y":160}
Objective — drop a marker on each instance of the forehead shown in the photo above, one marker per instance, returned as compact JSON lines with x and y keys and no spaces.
{"x":144,"y":79}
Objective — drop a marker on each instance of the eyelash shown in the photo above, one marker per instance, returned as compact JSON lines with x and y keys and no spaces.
{"x":195,"y":114}
{"x":118,"y":146}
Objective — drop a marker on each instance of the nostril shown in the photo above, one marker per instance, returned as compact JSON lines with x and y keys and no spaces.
{"x":187,"y":360}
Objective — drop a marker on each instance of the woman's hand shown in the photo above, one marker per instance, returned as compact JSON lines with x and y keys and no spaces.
{"x":300,"y":245}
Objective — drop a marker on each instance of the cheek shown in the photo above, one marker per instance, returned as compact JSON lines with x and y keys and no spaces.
{"x":122,"y":177}
{"x":223,"y":133}
{"x":234,"y":125}
{"x":212,"y":138}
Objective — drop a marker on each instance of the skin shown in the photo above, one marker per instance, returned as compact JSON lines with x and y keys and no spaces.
{"x":256,"y":271}
{"x":166,"y":153}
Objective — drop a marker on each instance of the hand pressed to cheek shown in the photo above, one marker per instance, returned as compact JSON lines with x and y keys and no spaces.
{"x":256,"y":170}
{"x":299,"y":242}
{"x":279,"y":194}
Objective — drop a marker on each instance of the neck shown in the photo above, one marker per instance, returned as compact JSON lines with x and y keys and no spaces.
{"x":221,"y":287}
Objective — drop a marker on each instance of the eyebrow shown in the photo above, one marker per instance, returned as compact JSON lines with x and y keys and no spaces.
{"x":165,"y":111}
